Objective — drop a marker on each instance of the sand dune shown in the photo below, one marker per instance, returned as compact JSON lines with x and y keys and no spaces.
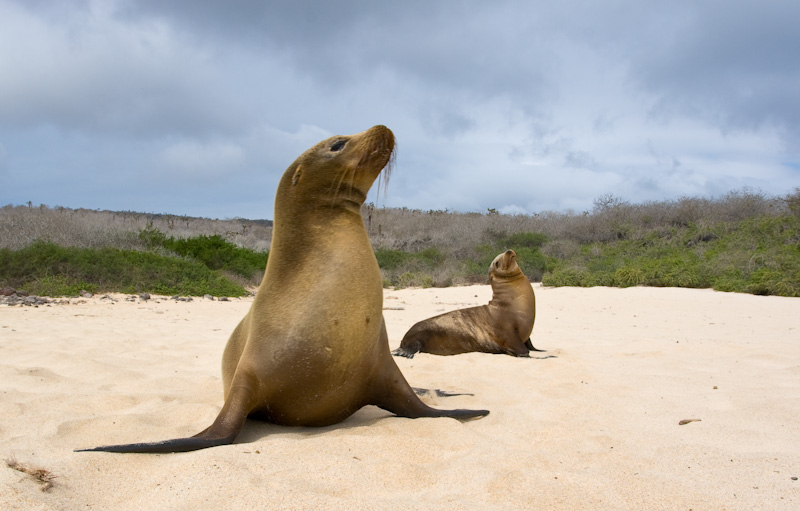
{"x":593,"y":424}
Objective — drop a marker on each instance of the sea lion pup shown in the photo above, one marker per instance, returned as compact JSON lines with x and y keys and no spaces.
{"x":313,"y":348}
{"x":502,"y":326}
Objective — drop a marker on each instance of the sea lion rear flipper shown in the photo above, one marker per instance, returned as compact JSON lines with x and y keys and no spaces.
{"x":175,"y":445}
{"x":529,"y":345}
{"x":223,"y":431}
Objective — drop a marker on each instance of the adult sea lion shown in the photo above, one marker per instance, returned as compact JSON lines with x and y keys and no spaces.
{"x":313,"y":348}
{"x":502,"y":326}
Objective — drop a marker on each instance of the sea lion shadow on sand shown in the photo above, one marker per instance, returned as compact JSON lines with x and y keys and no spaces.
{"x":313,"y":348}
{"x":503,"y":326}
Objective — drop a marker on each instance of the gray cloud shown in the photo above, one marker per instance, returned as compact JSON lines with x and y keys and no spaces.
{"x":735,"y":65}
{"x":197,"y":107}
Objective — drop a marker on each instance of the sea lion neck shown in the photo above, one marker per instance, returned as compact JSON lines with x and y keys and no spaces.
{"x":502,"y":292}
{"x":326,"y":206}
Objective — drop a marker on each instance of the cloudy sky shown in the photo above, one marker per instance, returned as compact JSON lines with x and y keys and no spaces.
{"x":197,"y":107}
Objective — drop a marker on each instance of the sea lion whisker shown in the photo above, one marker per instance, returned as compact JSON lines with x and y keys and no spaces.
{"x":386,"y":172}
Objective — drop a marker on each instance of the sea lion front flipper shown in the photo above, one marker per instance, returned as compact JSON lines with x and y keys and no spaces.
{"x":529,"y":345}
{"x":510,"y":345}
{"x":403,"y":352}
{"x":223,"y":431}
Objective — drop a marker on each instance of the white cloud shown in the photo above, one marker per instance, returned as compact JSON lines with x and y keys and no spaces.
{"x":513,"y":209}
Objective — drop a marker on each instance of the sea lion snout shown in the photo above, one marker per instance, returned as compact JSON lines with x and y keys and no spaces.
{"x":380,"y":131}
{"x":504,"y":263}
{"x":378,"y":146}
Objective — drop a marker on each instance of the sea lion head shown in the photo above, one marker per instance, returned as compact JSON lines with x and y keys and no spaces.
{"x":504,"y":266}
{"x":342,"y":168}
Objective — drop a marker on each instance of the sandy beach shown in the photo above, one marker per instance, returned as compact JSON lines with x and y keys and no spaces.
{"x":591,"y":424}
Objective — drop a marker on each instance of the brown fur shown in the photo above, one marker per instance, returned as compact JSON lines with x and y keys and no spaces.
{"x":502,"y":326}
{"x":313,"y":348}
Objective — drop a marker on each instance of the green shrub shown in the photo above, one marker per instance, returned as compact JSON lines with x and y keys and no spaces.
{"x":431,"y":257}
{"x":390,"y":259}
{"x":58,"y":285}
{"x":524,"y":240}
{"x":218,"y":254}
{"x":46,"y":268}
{"x":533,"y":263}
{"x":743,"y":242}
{"x":404,"y":269}
{"x":577,"y":277}
{"x":152,"y":237}
{"x":412,"y":279}
{"x":627,"y":277}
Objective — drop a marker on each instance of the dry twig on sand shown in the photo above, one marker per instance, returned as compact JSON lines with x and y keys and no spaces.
{"x":44,"y":476}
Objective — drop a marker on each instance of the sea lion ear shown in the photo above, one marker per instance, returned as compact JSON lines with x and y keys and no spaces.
{"x":297,"y":173}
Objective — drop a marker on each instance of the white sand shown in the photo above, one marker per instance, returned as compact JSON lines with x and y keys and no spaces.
{"x":595,"y":427}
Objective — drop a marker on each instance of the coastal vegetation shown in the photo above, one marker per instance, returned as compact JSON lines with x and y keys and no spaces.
{"x":743,"y":241}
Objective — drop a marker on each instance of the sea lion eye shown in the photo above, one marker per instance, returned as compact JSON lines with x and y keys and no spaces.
{"x":338,"y":145}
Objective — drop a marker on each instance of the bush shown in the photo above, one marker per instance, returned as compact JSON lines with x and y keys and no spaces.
{"x":742,"y":241}
{"x":792,"y":201}
{"x":524,"y":240}
{"x":576,"y":276}
{"x":45,"y":268}
{"x":213,"y":251}
{"x":410,"y":279}
{"x":390,"y":259}
{"x":759,"y":255}
{"x":218,"y":254}
{"x":627,"y":277}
